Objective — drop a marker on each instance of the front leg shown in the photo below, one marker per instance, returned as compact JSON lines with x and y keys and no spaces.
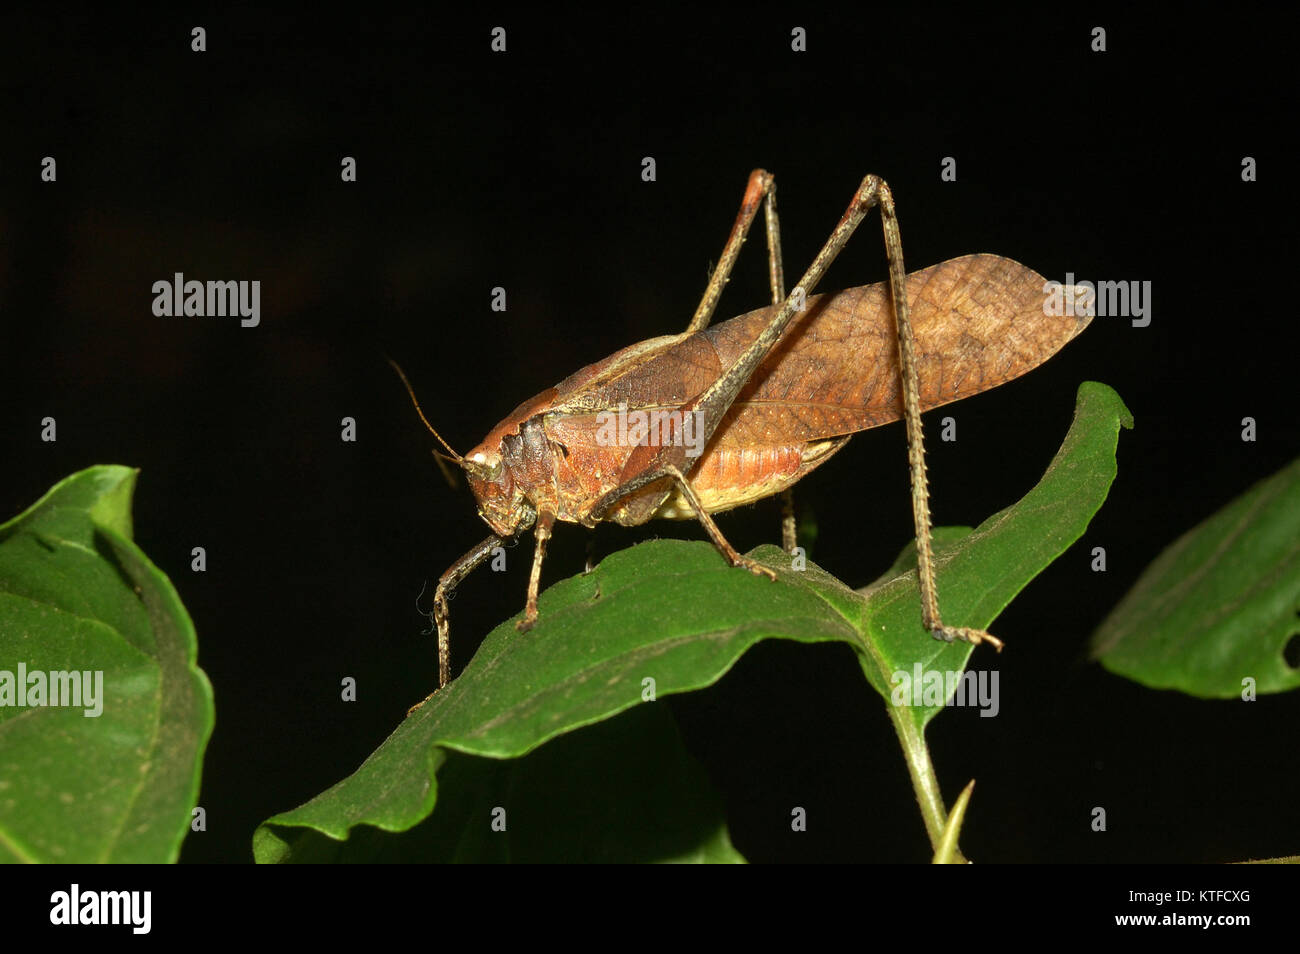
{"x":545,"y":521}
{"x":446,"y":584}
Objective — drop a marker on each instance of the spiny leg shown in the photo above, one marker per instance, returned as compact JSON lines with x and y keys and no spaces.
{"x":712,"y":405}
{"x":717,"y":398}
{"x":776,"y":278}
{"x":545,"y":521}
{"x":761,"y":188}
{"x":915,"y":438}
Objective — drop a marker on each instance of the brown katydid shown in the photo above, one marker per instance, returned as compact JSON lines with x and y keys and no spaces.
{"x":747,"y":407}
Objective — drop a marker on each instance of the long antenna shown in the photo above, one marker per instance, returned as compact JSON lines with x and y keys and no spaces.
{"x":411,"y":391}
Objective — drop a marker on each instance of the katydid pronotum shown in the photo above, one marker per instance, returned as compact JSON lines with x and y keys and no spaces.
{"x":764,"y":405}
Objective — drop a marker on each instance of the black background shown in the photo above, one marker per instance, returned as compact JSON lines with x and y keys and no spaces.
{"x":523,"y":170}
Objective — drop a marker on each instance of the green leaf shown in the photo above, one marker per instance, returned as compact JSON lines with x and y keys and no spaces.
{"x":621,"y":791}
{"x":1219,"y":605}
{"x":76,"y":595}
{"x":676,"y":614}
{"x":600,"y":637}
{"x":981,"y":571}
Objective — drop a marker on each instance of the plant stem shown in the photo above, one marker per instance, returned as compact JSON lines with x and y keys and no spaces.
{"x":924,"y":781}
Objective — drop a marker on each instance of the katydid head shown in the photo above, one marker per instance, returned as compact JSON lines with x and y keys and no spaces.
{"x":501,"y":502}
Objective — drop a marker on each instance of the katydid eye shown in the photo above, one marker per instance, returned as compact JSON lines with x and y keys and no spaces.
{"x":489,"y":466}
